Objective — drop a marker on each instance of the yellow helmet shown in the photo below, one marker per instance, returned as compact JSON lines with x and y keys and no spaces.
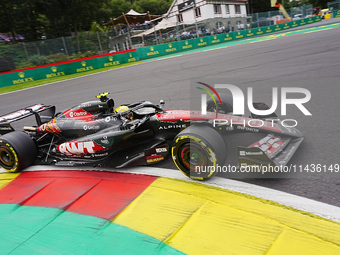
{"x":121,"y":109}
{"x":124,"y":108}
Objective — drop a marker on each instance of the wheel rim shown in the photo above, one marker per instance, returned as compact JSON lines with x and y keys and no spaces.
{"x":7,"y":159}
{"x":192,"y":156}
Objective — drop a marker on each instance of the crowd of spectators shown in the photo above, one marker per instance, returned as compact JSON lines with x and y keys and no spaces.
{"x":189,"y":34}
{"x":123,"y":28}
{"x":186,"y":34}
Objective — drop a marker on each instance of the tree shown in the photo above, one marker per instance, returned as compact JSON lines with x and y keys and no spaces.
{"x":6,"y":17}
{"x":260,"y":6}
{"x":57,"y":18}
{"x":153,"y":6}
{"x":113,"y":9}
{"x":19,"y":17}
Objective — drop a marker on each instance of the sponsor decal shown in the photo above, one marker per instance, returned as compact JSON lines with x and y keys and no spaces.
{"x":86,"y":105}
{"x":77,"y":114}
{"x":22,"y":79}
{"x":54,"y":73}
{"x":173,"y":126}
{"x":215,"y":40}
{"x":105,"y":141}
{"x":248,"y":129}
{"x":227,"y":37}
{"x":49,"y":127}
{"x":154,"y":158}
{"x":202,"y":42}
{"x":79,"y":148}
{"x":111,"y":62}
{"x":84,"y":68}
{"x":239,"y":35}
{"x":186,"y":46}
{"x":152,"y":53}
{"x":250,"y":33}
{"x":99,"y":155}
{"x":89,"y":127}
{"x":251,"y":153}
{"x":259,"y":32}
{"x":170,"y":48}
{"x":160,"y":150}
{"x":2,"y":128}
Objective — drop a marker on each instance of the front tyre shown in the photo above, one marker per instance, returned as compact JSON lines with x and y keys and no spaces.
{"x":17,"y":151}
{"x":198,"y":150}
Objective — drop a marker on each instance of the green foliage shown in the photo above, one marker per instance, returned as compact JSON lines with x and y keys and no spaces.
{"x":57,"y":18}
{"x":59,"y":57}
{"x":114,"y":8}
{"x":24,"y":64}
{"x":96,"y":27}
{"x":153,"y":6}
{"x":15,"y":51}
{"x":39,"y":60}
{"x":82,"y":55}
{"x":260,"y":6}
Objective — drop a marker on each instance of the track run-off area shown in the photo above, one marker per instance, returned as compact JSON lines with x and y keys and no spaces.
{"x":156,"y":211}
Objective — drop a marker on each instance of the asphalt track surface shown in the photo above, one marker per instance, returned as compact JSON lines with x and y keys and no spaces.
{"x":305,"y":60}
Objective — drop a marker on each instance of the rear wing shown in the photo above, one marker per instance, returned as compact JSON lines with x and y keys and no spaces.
{"x":42,"y":113}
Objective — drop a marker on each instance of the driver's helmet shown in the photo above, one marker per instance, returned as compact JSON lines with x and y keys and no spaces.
{"x":124,"y":108}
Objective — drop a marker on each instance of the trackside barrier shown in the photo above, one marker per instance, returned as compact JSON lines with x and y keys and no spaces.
{"x":112,"y":59}
{"x":174,"y":47}
{"x":65,"y":68}
{"x":336,"y":14}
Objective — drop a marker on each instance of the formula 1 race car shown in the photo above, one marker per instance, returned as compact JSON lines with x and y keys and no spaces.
{"x":98,"y":134}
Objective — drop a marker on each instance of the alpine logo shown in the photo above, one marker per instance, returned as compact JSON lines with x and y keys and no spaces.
{"x":79,"y":148}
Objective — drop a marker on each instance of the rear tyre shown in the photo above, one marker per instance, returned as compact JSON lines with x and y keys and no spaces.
{"x":17,"y":151}
{"x":198,"y":150}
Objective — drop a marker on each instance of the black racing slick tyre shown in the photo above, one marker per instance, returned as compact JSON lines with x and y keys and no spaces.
{"x":198,"y":150}
{"x":17,"y":151}
{"x":226,"y":107}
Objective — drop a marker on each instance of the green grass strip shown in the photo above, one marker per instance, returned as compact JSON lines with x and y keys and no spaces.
{"x":42,"y":230}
